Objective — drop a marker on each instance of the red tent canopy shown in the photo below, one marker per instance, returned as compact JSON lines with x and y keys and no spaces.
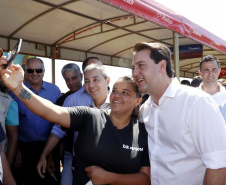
{"x":157,"y":13}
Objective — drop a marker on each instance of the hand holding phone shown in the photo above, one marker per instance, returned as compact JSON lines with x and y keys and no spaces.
{"x":12,"y":54}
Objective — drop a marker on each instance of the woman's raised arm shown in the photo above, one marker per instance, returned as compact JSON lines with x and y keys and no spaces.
{"x":13,"y":79}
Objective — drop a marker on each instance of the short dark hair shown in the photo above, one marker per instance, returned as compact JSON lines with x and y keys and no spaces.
{"x":185,"y":82}
{"x":158,"y":52}
{"x":71,"y":67}
{"x":209,"y":58}
{"x":196,"y":81}
{"x":85,"y":62}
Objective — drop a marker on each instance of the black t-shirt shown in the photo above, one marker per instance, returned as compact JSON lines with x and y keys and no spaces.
{"x":100,"y":143}
{"x":60,"y":100}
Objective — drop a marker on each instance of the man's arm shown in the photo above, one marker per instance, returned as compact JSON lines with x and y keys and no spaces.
{"x":51,"y":143}
{"x":215,"y":176}
{"x":12,"y":135}
{"x":7,"y":175}
{"x":13,"y":79}
{"x":100,"y":176}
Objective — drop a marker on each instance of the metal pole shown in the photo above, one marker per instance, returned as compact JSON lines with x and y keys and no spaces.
{"x":176,"y":55}
{"x":53,"y":48}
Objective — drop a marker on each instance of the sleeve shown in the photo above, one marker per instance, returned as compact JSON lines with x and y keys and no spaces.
{"x":79,"y":115}
{"x":58,"y":92}
{"x":208,"y":131}
{"x":12,"y":117}
{"x":56,"y":130}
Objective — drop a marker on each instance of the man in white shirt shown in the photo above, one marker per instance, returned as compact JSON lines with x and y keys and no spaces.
{"x":187,"y":136}
{"x":209,"y":69}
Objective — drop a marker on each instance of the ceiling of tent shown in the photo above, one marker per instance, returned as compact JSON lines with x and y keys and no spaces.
{"x":90,"y":27}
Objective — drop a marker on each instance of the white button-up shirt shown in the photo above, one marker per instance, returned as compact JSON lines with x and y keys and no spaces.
{"x":186,"y":135}
{"x":220,"y":96}
{"x":106,"y":104}
{"x":220,"y":99}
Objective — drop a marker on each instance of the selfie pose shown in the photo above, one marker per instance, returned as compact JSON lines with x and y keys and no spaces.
{"x":111,"y":146}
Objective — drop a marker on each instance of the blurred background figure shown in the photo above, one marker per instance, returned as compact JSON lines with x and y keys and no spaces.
{"x":185,"y":82}
{"x":224,"y":84}
{"x":221,"y":80}
{"x":196,"y":81}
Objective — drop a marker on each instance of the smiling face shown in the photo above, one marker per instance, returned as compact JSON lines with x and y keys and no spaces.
{"x":123,"y":98}
{"x":210,"y":72}
{"x":145,"y":71}
{"x":96,"y":85}
{"x":34,"y":78}
{"x":73,"y":80}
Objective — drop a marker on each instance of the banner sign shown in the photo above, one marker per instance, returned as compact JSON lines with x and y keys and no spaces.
{"x":223,"y":72}
{"x":189,"y":51}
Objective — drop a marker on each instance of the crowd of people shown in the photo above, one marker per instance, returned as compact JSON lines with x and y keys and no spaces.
{"x":147,"y":129}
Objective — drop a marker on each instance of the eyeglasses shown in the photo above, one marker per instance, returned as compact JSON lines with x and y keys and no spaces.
{"x":37,"y":70}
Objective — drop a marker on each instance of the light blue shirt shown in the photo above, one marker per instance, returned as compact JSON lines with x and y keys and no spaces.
{"x":79,"y":98}
{"x":12,"y":117}
{"x":32,"y":127}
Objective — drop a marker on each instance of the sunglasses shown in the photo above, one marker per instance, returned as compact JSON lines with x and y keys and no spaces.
{"x":37,"y":70}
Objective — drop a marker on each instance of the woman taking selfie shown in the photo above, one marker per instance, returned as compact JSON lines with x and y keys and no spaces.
{"x":111,"y":147}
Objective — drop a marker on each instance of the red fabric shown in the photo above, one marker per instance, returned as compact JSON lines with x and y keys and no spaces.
{"x":223,"y":72}
{"x":157,"y":13}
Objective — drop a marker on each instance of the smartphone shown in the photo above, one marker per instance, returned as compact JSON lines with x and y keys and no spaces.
{"x":12,"y":54}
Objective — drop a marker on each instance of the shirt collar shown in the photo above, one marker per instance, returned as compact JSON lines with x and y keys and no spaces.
{"x":44,"y":85}
{"x":83,"y":90}
{"x":222,"y":89}
{"x":105,"y":105}
{"x":170,"y":91}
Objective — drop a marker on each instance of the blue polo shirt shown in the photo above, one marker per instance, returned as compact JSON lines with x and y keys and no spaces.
{"x":31,"y":127}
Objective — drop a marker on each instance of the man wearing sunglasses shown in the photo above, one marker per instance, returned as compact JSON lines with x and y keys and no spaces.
{"x":33,"y":130}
